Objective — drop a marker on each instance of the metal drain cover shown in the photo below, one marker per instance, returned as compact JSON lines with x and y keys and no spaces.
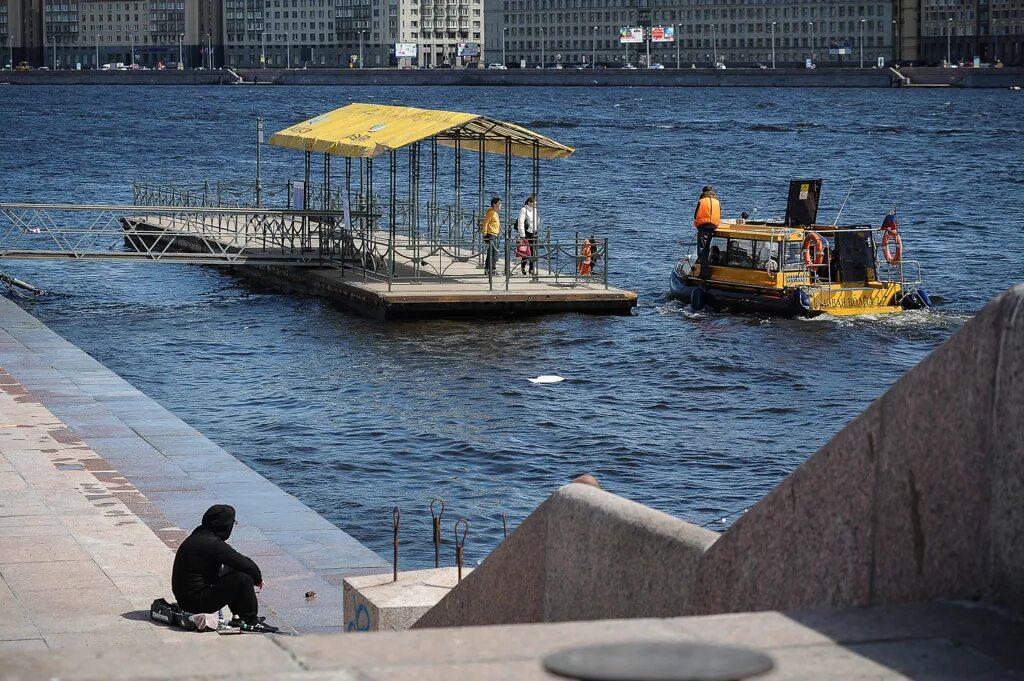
{"x":658,"y":661}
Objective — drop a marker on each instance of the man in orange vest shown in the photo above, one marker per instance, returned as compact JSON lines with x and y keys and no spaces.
{"x":706,"y":218}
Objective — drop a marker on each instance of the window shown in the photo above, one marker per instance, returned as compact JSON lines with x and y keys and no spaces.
{"x":794,"y":259}
{"x":740,"y":253}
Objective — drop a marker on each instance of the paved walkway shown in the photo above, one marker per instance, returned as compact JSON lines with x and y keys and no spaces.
{"x":117,"y":482}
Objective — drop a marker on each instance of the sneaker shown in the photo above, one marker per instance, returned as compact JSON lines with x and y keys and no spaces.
{"x":258,"y":628}
{"x":236,"y":621}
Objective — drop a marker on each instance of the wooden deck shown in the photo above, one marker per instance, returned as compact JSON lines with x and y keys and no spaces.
{"x":428,"y":282}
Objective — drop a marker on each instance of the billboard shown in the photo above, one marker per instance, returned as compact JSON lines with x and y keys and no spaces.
{"x":628,"y":34}
{"x":663,"y":34}
{"x":468,"y":49}
{"x":840,"y":46}
{"x":406,"y":50}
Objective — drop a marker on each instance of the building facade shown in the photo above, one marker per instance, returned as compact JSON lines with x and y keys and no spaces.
{"x":751,"y":32}
{"x":958,"y":31}
{"x":730,"y":32}
{"x":350,"y":33}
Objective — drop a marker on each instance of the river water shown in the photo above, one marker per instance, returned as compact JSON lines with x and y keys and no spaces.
{"x":695,"y":414}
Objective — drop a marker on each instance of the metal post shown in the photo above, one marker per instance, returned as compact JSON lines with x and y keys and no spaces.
{"x":504,"y":33}
{"x":392,"y":215}
{"x":263,"y":50}
{"x":133,"y":48}
{"x":895,"y":41}
{"x":811,"y":24}
{"x":435,"y":519}
{"x":361,"y":49}
{"x":259,"y":146}
{"x":396,"y":519}
{"x":97,"y":54}
{"x":288,"y":48}
{"x":714,"y":44}
{"x":593,"y":49}
{"x":543,"y":41}
{"x":181,"y":36}
{"x":508,"y":189}
{"x":647,"y":35}
{"x":676,"y":36}
{"x":209,"y":49}
{"x":949,"y":28}
{"x":862,"y":21}
{"x":460,"y":542}
{"x":773,"y":44}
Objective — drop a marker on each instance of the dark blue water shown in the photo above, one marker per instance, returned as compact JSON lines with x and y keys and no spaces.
{"x":695,"y":414}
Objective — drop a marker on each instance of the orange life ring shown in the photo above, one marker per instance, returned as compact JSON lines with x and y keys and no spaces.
{"x":892,"y":258}
{"x":812,"y":239}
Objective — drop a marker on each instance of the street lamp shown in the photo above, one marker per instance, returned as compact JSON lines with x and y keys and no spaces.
{"x":504,"y":34}
{"x":949,"y":28}
{"x":288,"y":51}
{"x":811,"y":24}
{"x":897,"y":51}
{"x":543,"y":41}
{"x":995,"y":40}
{"x":132,"y":39}
{"x":862,"y":42}
{"x":593,"y":49}
{"x":263,"y":50}
{"x":361,"y":48}
{"x":97,"y":53}
{"x":714,"y":44}
{"x":209,"y":50}
{"x":181,"y":65}
{"x":676,"y":36}
{"x":773,"y":43}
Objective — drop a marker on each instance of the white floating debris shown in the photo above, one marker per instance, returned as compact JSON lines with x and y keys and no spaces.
{"x":547,"y":379}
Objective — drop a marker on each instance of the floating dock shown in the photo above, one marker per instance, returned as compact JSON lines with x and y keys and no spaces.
{"x":426,"y":282}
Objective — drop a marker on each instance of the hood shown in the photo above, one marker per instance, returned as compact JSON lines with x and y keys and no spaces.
{"x":219,"y":519}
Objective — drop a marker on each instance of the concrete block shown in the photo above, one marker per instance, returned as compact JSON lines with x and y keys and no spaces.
{"x":1006,"y":465}
{"x":377,"y":603}
{"x":609,"y":557}
{"x":508,"y":586}
{"x":931,"y":496}
{"x":808,"y":543}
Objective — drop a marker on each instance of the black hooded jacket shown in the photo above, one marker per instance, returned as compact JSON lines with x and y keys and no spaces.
{"x":198,"y":561}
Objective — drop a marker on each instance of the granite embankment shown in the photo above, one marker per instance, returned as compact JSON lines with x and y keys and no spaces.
{"x":570,"y":77}
{"x":98,"y":486}
{"x":918,"y":499}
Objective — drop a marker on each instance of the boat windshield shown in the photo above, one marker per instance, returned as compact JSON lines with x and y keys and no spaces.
{"x":793,"y":260}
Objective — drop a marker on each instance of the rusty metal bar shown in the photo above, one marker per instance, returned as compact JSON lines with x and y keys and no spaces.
{"x":459,"y":556}
{"x":436,"y":521}
{"x":396,"y":516}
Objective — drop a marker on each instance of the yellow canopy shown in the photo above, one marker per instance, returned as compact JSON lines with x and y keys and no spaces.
{"x":368,"y":130}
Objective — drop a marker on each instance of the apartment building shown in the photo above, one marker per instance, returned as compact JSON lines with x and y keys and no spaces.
{"x":992,"y":30}
{"x":351,"y":33}
{"x":738,"y":32}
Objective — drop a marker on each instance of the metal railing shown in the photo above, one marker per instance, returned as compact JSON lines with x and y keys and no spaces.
{"x":229,"y":235}
{"x":153,"y":233}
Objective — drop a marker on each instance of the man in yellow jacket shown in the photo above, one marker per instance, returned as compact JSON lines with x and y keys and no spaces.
{"x":491,"y":229}
{"x":706,"y":218}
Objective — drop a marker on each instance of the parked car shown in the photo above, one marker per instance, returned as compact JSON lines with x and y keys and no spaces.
{"x":499,"y":67}
{"x":628,"y":66}
{"x":656,"y":66}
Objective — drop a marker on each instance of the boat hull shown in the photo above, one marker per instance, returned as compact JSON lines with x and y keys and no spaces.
{"x":719,"y":299}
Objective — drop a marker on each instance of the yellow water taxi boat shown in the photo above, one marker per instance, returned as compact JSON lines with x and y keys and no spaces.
{"x":799,"y":268}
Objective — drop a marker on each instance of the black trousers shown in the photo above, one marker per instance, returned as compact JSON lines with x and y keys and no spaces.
{"x":704,"y":234}
{"x":233,"y":589}
{"x":531,"y":260}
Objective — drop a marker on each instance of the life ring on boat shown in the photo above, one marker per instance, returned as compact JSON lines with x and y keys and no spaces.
{"x":812,"y":239}
{"x":893,"y":258}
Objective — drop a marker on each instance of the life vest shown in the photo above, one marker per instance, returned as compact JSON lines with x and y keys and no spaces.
{"x":586,"y":251}
{"x":709,"y":212}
